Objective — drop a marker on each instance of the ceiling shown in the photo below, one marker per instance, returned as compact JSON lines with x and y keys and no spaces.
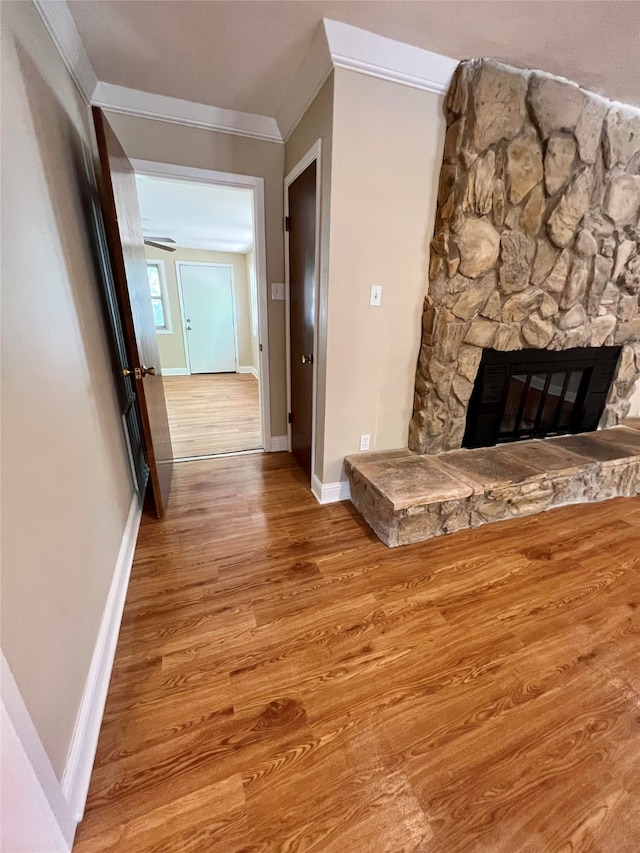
{"x":244,"y":54}
{"x":196,"y":215}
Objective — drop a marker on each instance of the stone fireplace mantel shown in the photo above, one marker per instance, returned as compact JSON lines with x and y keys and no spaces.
{"x":536,"y":241}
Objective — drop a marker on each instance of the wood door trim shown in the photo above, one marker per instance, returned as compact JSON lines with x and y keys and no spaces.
{"x":314,"y":153}
{"x":233,"y":303}
{"x":131,"y":340}
{"x":115,"y":250}
{"x":256,"y":185}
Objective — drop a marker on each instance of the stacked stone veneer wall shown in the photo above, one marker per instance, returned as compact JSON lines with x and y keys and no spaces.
{"x":536,"y":238}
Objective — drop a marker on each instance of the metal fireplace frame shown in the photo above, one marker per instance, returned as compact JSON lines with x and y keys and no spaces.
{"x":583,"y":377}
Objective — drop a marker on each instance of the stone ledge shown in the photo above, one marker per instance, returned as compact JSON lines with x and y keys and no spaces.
{"x":407,"y":497}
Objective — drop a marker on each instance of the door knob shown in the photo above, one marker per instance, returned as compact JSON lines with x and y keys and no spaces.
{"x":139,"y":372}
{"x":307,"y":359}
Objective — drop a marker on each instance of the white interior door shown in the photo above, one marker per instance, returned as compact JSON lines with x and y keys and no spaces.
{"x":209,"y":317}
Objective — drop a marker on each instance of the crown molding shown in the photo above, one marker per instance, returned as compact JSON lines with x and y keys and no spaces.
{"x":119,"y":99}
{"x":338,"y":45}
{"x":387,"y":59}
{"x":62,"y":28}
{"x":334,"y":45}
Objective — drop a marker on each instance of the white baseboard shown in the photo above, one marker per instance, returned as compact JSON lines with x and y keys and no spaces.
{"x":329,"y":493}
{"x":175,"y":371}
{"x":249,"y":369}
{"x":82,"y":752}
{"x":42,"y":818}
{"x":279,"y":442}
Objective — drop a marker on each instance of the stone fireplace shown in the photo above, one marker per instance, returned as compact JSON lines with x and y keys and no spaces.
{"x":531,"y":324}
{"x":536,"y":239}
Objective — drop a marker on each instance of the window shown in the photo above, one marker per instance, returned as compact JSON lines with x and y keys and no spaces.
{"x":159,"y":299}
{"x":253,"y":286}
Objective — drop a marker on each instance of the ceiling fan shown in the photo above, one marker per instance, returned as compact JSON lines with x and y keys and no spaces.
{"x":157,"y":243}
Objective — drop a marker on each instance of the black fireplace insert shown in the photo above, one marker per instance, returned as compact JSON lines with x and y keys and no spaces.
{"x":537,"y":393}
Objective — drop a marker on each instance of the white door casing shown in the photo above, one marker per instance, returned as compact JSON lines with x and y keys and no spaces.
{"x":208,"y":307}
{"x":256,"y":185}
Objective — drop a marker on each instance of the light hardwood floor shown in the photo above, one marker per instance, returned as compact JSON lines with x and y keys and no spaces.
{"x":285,"y":682}
{"x":213,"y":413}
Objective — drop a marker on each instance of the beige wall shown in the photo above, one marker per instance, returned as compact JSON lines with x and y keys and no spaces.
{"x":317,"y":123}
{"x":171,"y":347}
{"x":66,"y":484}
{"x":387,"y":150}
{"x":164,"y":142}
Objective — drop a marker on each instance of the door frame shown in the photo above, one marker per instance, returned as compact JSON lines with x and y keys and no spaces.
{"x":314,"y":153}
{"x":182,"y":311}
{"x":256,"y":185}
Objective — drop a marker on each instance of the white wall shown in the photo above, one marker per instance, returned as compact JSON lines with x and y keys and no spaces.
{"x":387,"y":151}
{"x":66,"y":482}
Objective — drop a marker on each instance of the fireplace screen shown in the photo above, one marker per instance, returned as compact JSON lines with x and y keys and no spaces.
{"x":536,"y":393}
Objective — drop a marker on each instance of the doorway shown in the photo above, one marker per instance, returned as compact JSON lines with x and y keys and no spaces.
{"x":302,"y":225}
{"x":206,"y":261}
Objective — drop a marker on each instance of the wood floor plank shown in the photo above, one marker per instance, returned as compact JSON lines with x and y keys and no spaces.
{"x":285,"y":682}
{"x":213,"y":413}
{"x":462,"y":784}
{"x":338,"y":793}
{"x":185,"y":823}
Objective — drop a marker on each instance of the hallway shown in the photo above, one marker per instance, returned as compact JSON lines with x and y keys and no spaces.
{"x":284,"y":681}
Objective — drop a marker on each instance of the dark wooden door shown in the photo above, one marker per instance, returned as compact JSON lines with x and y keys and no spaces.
{"x":126,"y":249}
{"x":125,"y":384}
{"x":302,"y":309}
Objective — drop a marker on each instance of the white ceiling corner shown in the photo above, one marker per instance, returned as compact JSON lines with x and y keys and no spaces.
{"x":309,"y":79}
{"x":338,"y":45}
{"x":62,"y":28}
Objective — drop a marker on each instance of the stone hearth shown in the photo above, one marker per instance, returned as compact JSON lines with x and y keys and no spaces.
{"x":536,"y":239}
{"x":406,"y":497}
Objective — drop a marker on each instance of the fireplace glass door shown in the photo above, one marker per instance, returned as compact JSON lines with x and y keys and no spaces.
{"x":533,"y":394}
{"x":539,"y":404}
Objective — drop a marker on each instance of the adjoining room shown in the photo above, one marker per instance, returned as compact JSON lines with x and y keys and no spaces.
{"x":200,"y":250}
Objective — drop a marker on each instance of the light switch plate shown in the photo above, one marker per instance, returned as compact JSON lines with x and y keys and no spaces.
{"x":277,"y":292}
{"x":376,"y":295}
